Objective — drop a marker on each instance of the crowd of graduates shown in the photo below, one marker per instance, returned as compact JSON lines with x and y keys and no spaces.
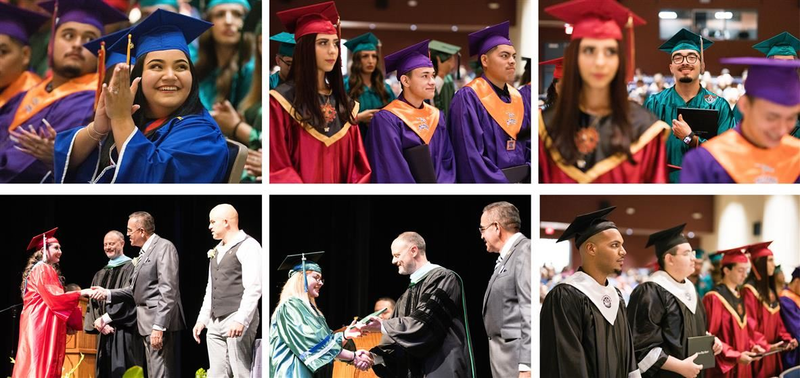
{"x":143,"y":91}
{"x":602,"y":123}
{"x":328,"y":128}
{"x":644,"y":323}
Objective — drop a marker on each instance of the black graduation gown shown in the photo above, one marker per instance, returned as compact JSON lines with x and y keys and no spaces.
{"x":578,"y":342}
{"x":658,"y":319}
{"x":426,"y":336}
{"x":118,"y":351}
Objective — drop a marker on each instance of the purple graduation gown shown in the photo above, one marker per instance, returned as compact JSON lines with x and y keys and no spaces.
{"x":71,"y":111}
{"x":479,"y":143}
{"x":699,"y":167}
{"x":790,"y":313}
{"x":387,"y":139}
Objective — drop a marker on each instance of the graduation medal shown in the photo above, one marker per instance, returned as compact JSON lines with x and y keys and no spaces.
{"x":586,"y":141}
{"x":328,"y":112}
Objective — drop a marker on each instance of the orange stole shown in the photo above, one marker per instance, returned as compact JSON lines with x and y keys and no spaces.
{"x":24,"y":82}
{"x":791,"y":295}
{"x":422,"y":121}
{"x":508,"y":116}
{"x":749,"y":164}
{"x":37,"y":97}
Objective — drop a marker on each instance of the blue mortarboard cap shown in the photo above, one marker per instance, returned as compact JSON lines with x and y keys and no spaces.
{"x":781,"y":44}
{"x":486,"y":39}
{"x":685,"y":40}
{"x":153,"y":3}
{"x":364,"y":42}
{"x":214,"y":3}
{"x":301,"y":263}
{"x":409,"y":58}
{"x":91,"y":12}
{"x":113,"y":57}
{"x":164,"y":30}
{"x":287,"y":43}
{"x":20,"y":23}
{"x":773,"y":80}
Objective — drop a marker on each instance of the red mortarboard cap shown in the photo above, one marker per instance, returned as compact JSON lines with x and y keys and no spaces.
{"x":559,"y":63}
{"x":38,"y":241}
{"x":595,"y":18}
{"x":759,"y":250}
{"x":733,"y":256}
{"x":312,"y":19}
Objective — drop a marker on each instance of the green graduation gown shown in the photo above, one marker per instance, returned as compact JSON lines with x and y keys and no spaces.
{"x":665,"y":106}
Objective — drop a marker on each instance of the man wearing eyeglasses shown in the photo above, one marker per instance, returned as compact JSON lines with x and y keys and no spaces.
{"x":507,"y":302}
{"x":283,"y":58}
{"x":686,"y":64}
{"x":155,"y":290}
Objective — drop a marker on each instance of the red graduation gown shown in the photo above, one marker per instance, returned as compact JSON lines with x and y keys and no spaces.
{"x":736,"y":337}
{"x":768,"y":322}
{"x":648,"y":150}
{"x":47,"y":312}
{"x":298,"y":154}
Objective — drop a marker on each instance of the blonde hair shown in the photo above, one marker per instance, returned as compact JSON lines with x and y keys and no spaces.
{"x":294,"y":288}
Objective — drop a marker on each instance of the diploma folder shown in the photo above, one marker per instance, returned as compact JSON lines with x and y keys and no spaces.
{"x":704,"y":347}
{"x":702,"y":121}
{"x":365,"y":319}
{"x":420,"y":163}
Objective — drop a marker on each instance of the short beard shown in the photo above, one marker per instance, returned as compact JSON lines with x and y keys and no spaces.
{"x":68,"y":72}
{"x":686,"y":80}
{"x":618,"y":271}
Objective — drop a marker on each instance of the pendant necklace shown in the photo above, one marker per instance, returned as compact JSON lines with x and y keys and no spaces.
{"x":586,"y":141}
{"x":328,"y":111}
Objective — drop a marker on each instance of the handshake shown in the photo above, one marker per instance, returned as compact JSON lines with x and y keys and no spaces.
{"x":95,"y":292}
{"x":362,"y":359}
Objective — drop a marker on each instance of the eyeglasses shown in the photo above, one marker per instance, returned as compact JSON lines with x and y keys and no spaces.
{"x":679,"y":59}
{"x":289,"y":63}
{"x":482,"y":229}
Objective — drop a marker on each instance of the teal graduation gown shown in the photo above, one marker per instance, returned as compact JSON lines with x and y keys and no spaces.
{"x":239,"y":86}
{"x":300,"y":341}
{"x":665,"y":106}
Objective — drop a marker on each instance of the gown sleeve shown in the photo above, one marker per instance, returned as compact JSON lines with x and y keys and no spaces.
{"x":385,"y":150}
{"x":562,"y":353}
{"x":46,"y":283}
{"x":422,"y":331}
{"x":281,"y":169}
{"x":645,"y":313}
{"x":315,"y":347}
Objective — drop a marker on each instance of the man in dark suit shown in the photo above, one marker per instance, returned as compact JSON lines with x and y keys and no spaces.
{"x":155,"y":290}
{"x":507,"y":302}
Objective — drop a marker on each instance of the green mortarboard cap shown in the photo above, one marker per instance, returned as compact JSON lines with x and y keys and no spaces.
{"x":150,"y":3}
{"x":699,"y":253}
{"x":685,"y":40}
{"x":666,"y":239}
{"x":587,"y":225}
{"x":302,"y":262}
{"x":364,"y":42}
{"x":442,"y":50}
{"x":781,"y":44}
{"x":214,"y":3}
{"x":287,"y":43}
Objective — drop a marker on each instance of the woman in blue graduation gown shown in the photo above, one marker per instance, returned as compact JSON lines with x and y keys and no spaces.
{"x":169,"y":137}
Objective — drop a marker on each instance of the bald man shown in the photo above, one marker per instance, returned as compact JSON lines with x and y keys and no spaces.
{"x":230,"y":305}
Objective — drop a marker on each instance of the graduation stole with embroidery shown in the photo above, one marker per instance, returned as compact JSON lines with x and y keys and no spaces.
{"x":37,"y":98}
{"x":328,"y":141}
{"x":508,"y":116}
{"x":24,"y":82}
{"x":746,"y":163}
{"x":422,"y":121}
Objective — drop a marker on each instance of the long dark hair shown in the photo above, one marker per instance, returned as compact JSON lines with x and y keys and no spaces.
{"x":192,"y":105}
{"x":566,"y":120}
{"x":306,"y":97}
{"x":552,"y":94}
{"x":357,"y":83}
{"x":766,"y":283}
{"x":207,"y":62}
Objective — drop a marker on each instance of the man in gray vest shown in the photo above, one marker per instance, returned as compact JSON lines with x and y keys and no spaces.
{"x":230,"y":305}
